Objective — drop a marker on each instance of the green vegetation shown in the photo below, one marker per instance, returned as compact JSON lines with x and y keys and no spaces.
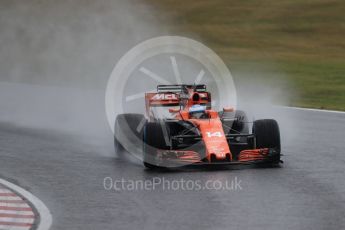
{"x":301,"y":40}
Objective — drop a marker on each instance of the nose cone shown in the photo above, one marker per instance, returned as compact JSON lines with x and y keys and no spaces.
{"x":214,"y":138}
{"x":220,"y":155}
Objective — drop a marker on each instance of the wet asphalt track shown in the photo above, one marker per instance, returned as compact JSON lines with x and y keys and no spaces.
{"x":67,"y":172}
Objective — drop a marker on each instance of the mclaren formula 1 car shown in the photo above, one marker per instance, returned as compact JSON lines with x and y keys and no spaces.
{"x":181,"y":128}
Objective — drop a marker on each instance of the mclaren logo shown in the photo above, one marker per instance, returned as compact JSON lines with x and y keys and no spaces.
{"x":162,"y":96}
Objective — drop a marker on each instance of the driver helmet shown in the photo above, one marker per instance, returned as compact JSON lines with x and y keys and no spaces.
{"x":195,"y":111}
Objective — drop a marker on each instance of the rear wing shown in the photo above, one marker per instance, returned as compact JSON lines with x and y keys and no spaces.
{"x":180,"y":88}
{"x":178,"y":95}
{"x":162,"y":99}
{"x":171,"y":95}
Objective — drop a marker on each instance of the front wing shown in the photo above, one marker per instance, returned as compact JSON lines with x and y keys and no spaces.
{"x":174,"y":158}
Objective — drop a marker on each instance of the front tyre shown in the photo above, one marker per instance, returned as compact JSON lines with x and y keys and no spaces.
{"x":267,"y":135}
{"x":117,"y":145}
{"x":128,"y":132}
{"x":153,"y":140}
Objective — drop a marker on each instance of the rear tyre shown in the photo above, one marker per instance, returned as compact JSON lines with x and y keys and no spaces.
{"x":128,"y":131}
{"x":267,"y":135}
{"x":241,"y":122}
{"x":239,"y":125}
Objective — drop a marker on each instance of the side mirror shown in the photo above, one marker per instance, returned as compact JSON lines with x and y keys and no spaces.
{"x":174,"y":110}
{"x":228,"y":109}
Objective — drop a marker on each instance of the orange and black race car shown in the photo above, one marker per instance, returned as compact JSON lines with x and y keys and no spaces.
{"x":180,"y":128}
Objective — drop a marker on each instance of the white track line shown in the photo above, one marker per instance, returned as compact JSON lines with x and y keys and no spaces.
{"x":5,"y":198}
{"x":12,"y":227}
{"x":17,"y":220}
{"x":15,"y":212}
{"x":20,"y":205}
{"x":44,"y":213}
{"x":313,"y":110}
{"x":14,"y":204}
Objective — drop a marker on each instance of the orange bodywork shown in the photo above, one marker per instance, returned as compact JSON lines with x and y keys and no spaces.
{"x":211,"y":129}
{"x":213,"y":137}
